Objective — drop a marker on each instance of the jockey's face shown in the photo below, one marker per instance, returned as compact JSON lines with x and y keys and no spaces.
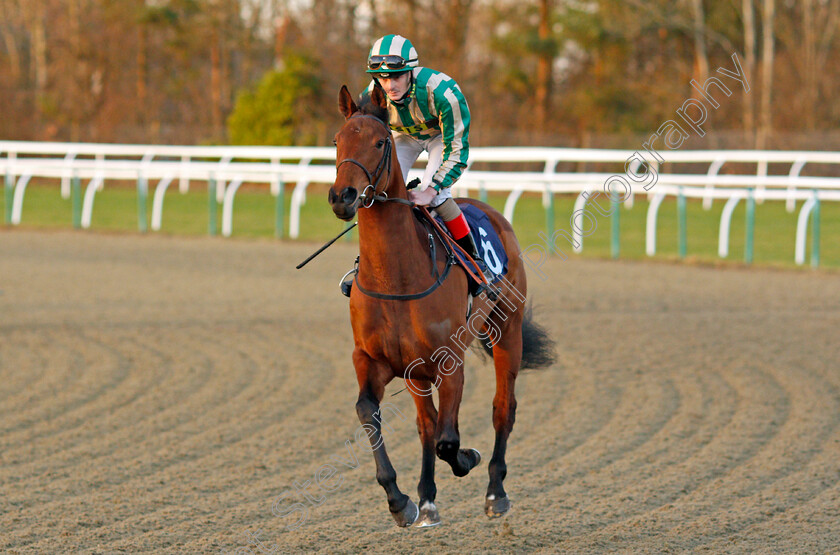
{"x":395,"y":86}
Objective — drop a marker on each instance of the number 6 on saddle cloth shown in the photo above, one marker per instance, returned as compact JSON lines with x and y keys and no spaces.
{"x":488,"y":241}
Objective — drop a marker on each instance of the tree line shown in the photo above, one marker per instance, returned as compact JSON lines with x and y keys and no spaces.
{"x":553,"y":72}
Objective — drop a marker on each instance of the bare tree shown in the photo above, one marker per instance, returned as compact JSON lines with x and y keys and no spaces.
{"x":749,"y":60}
{"x":768,"y":54}
{"x":819,"y":24}
{"x":179,"y":63}
{"x":455,"y":33}
{"x":545,"y":58}
{"x":38,"y":51}
{"x":8,"y":11}
{"x":701,"y":57}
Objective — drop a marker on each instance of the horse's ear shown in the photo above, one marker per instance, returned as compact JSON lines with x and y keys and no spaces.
{"x":345,"y":102}
{"x":378,"y":96}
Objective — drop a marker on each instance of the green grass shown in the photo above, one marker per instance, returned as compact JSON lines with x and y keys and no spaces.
{"x":774,"y":235}
{"x":115,"y":209}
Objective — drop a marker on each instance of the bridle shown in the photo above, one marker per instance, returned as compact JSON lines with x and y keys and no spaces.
{"x":383,"y":169}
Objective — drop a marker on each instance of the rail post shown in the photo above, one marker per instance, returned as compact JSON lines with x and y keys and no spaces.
{"x":815,"y":232}
{"x":278,"y":209}
{"x":142,"y":196}
{"x":616,"y":226}
{"x":681,"y":223}
{"x":212,"y":207}
{"x":76,"y":200}
{"x":549,"y":215}
{"x":548,"y":203}
{"x":9,"y":196}
{"x":750,"y":227}
{"x":349,"y":235}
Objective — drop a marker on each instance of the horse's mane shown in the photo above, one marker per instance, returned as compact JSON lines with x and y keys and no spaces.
{"x":367,"y":107}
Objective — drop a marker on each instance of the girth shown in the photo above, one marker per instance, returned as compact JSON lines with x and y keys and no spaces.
{"x":439,"y":277}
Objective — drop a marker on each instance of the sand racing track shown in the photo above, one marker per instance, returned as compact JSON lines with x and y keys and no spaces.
{"x":158,"y":394}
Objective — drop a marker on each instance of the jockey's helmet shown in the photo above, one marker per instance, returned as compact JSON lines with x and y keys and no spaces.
{"x":391,"y":54}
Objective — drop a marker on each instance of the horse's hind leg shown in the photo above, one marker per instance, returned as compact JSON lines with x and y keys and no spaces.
{"x":507,"y":357}
{"x":426,"y":424}
{"x":372,"y":388}
{"x":448,"y":444}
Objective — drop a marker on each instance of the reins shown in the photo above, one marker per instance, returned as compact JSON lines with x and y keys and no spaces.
{"x":448,"y":239}
{"x":367,"y":200}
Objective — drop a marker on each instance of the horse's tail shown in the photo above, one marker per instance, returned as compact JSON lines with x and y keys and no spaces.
{"x":538,"y":349}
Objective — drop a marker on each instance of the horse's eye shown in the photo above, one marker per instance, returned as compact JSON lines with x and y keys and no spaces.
{"x":335,"y":142}
{"x":380,"y":143}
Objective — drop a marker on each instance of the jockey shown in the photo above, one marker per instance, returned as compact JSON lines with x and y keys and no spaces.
{"x":427,"y":111}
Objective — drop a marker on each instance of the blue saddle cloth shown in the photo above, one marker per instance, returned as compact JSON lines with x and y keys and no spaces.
{"x":489,"y":244}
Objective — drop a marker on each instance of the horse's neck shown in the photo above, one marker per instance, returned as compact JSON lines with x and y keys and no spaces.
{"x":389,"y":245}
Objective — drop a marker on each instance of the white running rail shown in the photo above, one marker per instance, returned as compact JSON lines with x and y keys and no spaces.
{"x":278,"y":166}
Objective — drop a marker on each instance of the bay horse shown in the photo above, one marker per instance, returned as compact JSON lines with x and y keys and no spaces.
{"x":405,"y":323}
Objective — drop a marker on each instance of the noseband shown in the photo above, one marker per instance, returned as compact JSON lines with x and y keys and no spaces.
{"x":382,"y":168}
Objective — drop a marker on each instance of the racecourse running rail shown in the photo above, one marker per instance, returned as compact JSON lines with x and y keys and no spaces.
{"x":224,"y":169}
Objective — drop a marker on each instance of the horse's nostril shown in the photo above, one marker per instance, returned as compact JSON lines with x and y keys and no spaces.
{"x":332,"y":196}
{"x":349,"y":194}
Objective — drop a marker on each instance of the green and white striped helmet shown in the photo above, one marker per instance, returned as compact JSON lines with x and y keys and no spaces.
{"x":392,"y":54}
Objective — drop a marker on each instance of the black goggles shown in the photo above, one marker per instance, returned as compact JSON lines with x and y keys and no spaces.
{"x":391,"y":62}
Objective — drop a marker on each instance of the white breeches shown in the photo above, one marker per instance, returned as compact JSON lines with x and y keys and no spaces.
{"x":409,"y":148}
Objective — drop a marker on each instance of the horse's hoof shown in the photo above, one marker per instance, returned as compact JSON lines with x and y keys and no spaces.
{"x":495,"y":507}
{"x":429,"y":515}
{"x":407,"y":515}
{"x":473,"y":457}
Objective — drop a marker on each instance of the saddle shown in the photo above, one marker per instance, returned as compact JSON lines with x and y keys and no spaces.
{"x":490,"y":245}
{"x":455,"y":255}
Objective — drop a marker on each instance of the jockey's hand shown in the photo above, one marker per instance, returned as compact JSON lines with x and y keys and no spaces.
{"x":422,"y":198}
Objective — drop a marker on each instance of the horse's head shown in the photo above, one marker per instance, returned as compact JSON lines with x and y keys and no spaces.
{"x":363,"y":155}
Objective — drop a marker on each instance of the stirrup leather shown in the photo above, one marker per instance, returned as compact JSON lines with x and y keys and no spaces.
{"x":467,"y":243}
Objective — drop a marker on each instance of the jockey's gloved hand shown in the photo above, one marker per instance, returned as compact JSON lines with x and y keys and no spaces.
{"x":413,"y":183}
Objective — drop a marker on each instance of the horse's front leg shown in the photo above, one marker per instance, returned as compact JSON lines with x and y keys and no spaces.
{"x":373,"y":376}
{"x":448,"y":444}
{"x":426,"y":425}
